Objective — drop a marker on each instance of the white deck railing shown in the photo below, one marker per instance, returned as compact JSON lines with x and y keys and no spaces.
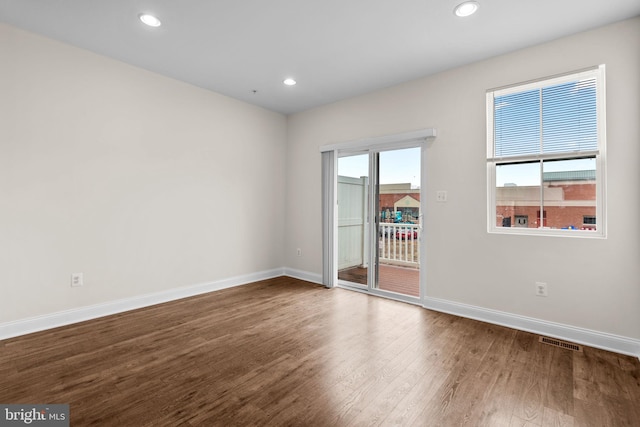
{"x":399,"y":244}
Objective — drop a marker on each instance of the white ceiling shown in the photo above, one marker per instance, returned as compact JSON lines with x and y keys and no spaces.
{"x":335,"y":49}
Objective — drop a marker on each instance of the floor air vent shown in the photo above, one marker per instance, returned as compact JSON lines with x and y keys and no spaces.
{"x":562,"y":344}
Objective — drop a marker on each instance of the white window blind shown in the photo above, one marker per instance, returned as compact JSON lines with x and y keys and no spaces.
{"x":548,"y":120}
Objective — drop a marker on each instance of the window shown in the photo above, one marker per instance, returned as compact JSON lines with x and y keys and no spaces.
{"x":522,"y":221}
{"x":589,"y":222}
{"x":546,"y":153}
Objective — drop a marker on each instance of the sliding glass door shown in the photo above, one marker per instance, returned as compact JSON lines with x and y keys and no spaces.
{"x":379,"y":221}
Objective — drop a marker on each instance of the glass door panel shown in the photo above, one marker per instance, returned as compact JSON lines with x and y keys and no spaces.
{"x":399,"y":225}
{"x":353,"y":219}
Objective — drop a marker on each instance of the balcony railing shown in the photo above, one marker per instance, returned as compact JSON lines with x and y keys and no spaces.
{"x":399,"y":244}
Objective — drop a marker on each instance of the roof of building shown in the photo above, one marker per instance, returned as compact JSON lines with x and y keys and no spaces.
{"x":583,"y":175}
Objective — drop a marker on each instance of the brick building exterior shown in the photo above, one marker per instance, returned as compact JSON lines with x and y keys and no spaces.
{"x":569,"y":200}
{"x":400,"y":198}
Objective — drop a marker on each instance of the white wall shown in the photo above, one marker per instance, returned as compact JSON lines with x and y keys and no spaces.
{"x":593,"y":284}
{"x":141,"y":182}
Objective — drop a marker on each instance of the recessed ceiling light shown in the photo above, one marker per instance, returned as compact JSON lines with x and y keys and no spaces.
{"x":289,"y":82}
{"x":150,"y":20}
{"x":467,"y":8}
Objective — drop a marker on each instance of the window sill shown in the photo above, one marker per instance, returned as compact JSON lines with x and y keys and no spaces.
{"x":553,"y":232}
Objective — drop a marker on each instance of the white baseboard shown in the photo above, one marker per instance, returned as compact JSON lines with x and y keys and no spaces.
{"x":67,"y":317}
{"x":602,"y":340}
{"x":303,"y":275}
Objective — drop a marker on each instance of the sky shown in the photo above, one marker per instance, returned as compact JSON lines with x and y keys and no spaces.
{"x":397,"y":166}
{"x":528,"y":174}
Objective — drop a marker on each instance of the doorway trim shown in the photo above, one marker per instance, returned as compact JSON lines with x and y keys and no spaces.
{"x":398,"y":140}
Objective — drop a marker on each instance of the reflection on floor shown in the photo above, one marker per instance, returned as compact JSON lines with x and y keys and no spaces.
{"x":395,"y":279}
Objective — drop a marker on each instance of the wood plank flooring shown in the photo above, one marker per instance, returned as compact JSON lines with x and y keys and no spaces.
{"x":287,"y":352}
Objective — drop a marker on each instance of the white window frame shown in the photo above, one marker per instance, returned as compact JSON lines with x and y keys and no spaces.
{"x":599,"y":154}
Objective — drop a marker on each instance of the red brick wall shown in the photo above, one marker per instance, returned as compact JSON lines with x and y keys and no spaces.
{"x":577,"y":191}
{"x":555,"y":216}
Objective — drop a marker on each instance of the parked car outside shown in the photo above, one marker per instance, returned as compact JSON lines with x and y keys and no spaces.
{"x":406,"y":233}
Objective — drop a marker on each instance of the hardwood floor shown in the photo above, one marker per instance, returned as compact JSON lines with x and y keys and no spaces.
{"x":286,"y":352}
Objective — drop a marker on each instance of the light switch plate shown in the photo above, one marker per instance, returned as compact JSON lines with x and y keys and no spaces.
{"x":441,"y":196}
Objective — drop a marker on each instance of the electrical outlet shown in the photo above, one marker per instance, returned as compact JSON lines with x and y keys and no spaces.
{"x":77,"y":279}
{"x":441,"y":196}
{"x":541,"y":289}
{"x":299,"y":252}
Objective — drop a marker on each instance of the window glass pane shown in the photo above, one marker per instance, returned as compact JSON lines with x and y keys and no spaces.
{"x":353,"y":202}
{"x":518,"y":195}
{"x":570,"y":194}
{"x":554,"y":119}
{"x":354,"y":166}
{"x":569,"y":117}
{"x":517,"y":123}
